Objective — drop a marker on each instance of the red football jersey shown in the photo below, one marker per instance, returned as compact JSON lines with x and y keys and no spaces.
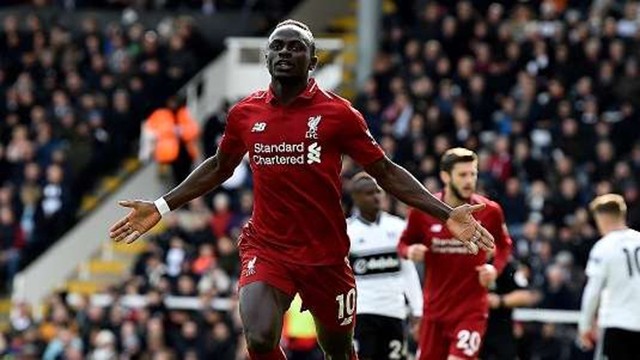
{"x":295,"y":154}
{"x":452,"y":290}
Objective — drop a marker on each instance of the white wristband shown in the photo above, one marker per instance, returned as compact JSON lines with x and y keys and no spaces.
{"x":162,"y":206}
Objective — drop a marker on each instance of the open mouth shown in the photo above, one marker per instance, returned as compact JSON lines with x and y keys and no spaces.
{"x":284,"y":65}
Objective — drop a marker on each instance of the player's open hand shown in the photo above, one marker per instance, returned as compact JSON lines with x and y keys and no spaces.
{"x":466,"y":229}
{"x":143,"y":216}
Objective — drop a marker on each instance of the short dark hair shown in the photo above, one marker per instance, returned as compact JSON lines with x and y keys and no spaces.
{"x":358,"y":180}
{"x":302,"y":26}
{"x":611,"y":204}
{"x":454,"y":156}
{"x":295,"y":23}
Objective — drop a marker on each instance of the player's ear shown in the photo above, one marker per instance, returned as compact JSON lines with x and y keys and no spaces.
{"x":445,"y":177}
{"x":313,"y":63}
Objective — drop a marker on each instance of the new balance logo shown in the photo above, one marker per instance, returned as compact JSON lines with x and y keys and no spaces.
{"x":313,"y":123}
{"x":313,"y":155}
{"x":259,"y":127}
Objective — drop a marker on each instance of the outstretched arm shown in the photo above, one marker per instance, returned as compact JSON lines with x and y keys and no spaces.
{"x":401,"y":184}
{"x":514,"y":299}
{"x":144,"y":215}
{"x":206,"y":177}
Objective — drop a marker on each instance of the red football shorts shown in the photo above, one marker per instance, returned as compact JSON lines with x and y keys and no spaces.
{"x":327,"y":291}
{"x":439,"y":339}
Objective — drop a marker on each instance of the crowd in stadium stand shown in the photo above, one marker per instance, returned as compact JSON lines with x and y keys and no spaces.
{"x":71,"y":105}
{"x":265,"y":7}
{"x":546,"y":95}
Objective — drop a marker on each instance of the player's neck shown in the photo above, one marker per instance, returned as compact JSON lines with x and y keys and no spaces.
{"x":287,"y":89}
{"x":614,"y":227}
{"x":452,"y":200}
{"x":370,"y":216}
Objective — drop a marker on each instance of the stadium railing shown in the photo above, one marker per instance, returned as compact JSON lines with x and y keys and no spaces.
{"x":226,"y":304}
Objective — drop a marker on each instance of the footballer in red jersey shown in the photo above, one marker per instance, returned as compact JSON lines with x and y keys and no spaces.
{"x":457,"y":281}
{"x":295,"y":135}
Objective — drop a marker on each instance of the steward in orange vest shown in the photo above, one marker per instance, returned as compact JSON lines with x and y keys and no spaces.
{"x":174,"y":135}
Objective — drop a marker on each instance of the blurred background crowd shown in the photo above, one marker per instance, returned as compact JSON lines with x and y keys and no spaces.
{"x":545,"y":91}
{"x":72,"y":104}
{"x":266,"y":7}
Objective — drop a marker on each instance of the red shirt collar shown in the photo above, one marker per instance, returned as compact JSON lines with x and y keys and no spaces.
{"x":307,"y":94}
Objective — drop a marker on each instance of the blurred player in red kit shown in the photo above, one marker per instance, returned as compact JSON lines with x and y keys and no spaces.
{"x":457,"y":281}
{"x":296,"y":241}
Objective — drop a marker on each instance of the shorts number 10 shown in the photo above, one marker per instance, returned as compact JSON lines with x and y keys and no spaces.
{"x":346,"y":303}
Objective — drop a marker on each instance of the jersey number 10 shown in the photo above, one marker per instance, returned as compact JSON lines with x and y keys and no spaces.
{"x":633,"y":258}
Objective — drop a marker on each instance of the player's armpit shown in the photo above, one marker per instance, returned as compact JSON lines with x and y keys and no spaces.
{"x":227,"y":162}
{"x":411,"y":234}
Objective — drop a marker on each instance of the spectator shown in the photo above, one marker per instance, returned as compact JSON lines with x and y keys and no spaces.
{"x":556,"y":293}
{"x":170,"y":133}
{"x":105,"y":346}
{"x":11,"y":241}
{"x":222,"y":215}
{"x":54,"y":205}
{"x":513,"y":203}
{"x":176,"y":255}
{"x":205,"y":261}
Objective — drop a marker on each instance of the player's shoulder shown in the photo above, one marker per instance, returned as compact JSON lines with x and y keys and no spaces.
{"x":606,"y":244}
{"x":248,"y":104}
{"x":492,"y":205}
{"x":481,"y":199}
{"x":615,"y":239}
{"x":354,"y":223}
{"x":255,"y":98}
{"x":334,"y":100}
{"x":392,"y":219}
{"x":333,"y":97}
